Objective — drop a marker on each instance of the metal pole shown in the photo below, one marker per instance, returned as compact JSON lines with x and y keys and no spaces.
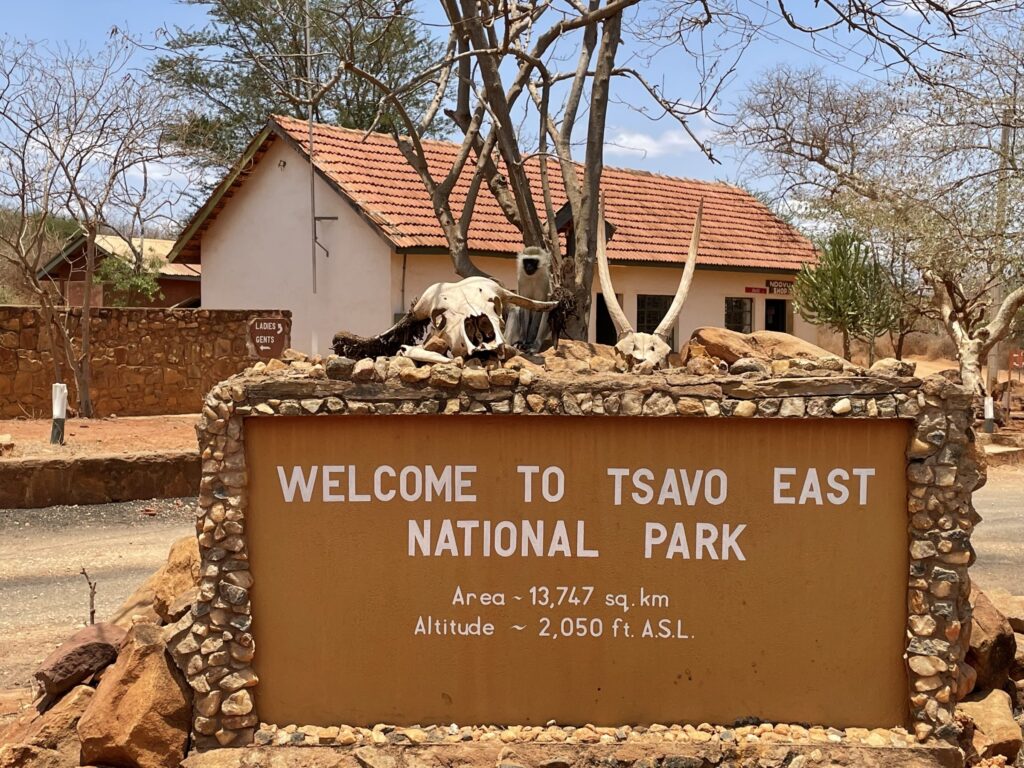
{"x":312,"y":171}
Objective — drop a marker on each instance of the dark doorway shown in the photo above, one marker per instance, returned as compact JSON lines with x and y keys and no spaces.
{"x":776,"y":315}
{"x":604,"y":328}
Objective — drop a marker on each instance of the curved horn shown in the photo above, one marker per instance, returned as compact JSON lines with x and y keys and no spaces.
{"x":522,"y":301}
{"x":622,"y":326}
{"x":664,"y":329}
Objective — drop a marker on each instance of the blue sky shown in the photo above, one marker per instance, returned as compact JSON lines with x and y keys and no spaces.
{"x":634,"y":141}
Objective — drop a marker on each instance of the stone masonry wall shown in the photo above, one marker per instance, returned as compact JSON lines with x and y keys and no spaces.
{"x":144,"y":361}
{"x":214,"y":645}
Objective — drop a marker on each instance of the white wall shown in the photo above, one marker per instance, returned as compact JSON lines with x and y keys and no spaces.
{"x":256,"y":255}
{"x":705,"y":304}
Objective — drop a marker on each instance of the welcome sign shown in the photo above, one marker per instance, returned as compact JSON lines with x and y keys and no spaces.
{"x":429,"y":569}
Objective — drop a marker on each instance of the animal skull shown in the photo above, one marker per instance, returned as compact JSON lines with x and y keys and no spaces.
{"x":645,"y":352}
{"x":468,"y":316}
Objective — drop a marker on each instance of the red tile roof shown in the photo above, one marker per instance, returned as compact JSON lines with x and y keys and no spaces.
{"x":652,"y":214}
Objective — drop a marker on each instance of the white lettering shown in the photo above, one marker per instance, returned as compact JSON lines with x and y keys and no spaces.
{"x":654,"y":533}
{"x":330,"y":482}
{"x":297,"y":480}
{"x":863,"y":473}
{"x":618,"y":473}
{"x":780,"y":485}
{"x":839,"y":493}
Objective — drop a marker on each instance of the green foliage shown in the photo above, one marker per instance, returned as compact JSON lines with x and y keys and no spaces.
{"x":848,"y":292}
{"x":128,"y":284}
{"x":231,"y":95}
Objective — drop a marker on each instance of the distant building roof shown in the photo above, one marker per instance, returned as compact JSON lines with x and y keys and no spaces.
{"x":153,"y":249}
{"x":652,"y":214}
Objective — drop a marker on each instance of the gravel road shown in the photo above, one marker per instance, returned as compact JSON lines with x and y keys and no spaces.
{"x":999,"y":537}
{"x":43,"y":596}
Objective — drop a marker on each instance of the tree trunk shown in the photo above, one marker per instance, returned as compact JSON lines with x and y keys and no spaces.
{"x":971,"y":355}
{"x":83,"y":370}
{"x":847,"y":354}
{"x":901,"y":339}
{"x":578,"y":326}
{"x":871,"y":352}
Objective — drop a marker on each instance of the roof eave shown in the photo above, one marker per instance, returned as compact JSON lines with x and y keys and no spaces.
{"x":66,"y":251}
{"x":200,"y":216}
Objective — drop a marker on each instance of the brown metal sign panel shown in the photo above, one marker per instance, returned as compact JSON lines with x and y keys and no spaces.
{"x":518,"y":570}
{"x":267,"y":335}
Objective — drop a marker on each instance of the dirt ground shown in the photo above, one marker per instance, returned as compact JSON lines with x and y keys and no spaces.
{"x":44,"y":597}
{"x":87,"y":437}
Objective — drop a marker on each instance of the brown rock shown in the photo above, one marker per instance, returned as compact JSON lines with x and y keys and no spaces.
{"x":154,"y":598}
{"x":731,"y":346}
{"x":995,"y":730}
{"x":31,"y":756}
{"x":890,"y":366}
{"x":80,"y":656}
{"x":140,"y":714}
{"x":966,"y":681}
{"x":178,"y":576}
{"x":1011,"y":606}
{"x":50,"y":738}
{"x":993,"y":646}
{"x":1017,"y":668}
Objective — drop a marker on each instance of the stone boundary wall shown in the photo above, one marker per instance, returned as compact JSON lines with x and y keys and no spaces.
{"x":45,"y":482}
{"x":213,"y":644}
{"x":144,"y":361}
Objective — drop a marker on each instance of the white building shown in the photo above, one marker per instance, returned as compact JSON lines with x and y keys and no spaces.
{"x":381,"y":245}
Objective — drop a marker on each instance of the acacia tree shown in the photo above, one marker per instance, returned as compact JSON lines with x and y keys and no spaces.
{"x":219,"y":68}
{"x":532,"y":86}
{"x":925,"y":156}
{"x":80,"y":139}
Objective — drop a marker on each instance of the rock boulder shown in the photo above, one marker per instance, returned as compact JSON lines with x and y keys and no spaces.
{"x":31,"y":756}
{"x":157,"y":598}
{"x":1011,"y":606}
{"x":47,"y":739}
{"x":79,"y":657}
{"x":731,"y":346}
{"x":993,"y":647}
{"x":995,"y":730}
{"x":890,"y":366}
{"x":141,"y":711}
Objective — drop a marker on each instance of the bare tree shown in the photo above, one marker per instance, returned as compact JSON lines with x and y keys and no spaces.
{"x":925,"y":157}
{"x":533,"y":82}
{"x":80,"y":139}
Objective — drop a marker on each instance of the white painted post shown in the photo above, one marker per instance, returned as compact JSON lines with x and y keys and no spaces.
{"x":59,"y":395}
{"x":990,"y":415}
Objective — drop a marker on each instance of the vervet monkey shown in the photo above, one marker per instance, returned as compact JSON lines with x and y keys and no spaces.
{"x":525,"y":328}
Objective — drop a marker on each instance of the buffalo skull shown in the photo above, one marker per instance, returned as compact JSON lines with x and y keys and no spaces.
{"x":466,"y":318}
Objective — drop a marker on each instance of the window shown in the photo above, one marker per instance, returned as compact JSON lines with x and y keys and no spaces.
{"x":651,"y":310}
{"x":739,"y":314}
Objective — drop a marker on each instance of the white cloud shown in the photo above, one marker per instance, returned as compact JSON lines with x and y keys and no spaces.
{"x":646,"y":145}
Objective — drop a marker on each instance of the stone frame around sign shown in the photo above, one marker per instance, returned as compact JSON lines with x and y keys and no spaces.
{"x":213,"y":644}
